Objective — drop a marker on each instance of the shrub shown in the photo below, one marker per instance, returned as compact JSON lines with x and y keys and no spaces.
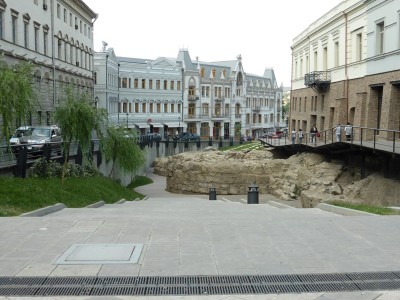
{"x":49,"y":169}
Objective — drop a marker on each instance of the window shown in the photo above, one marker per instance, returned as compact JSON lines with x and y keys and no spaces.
{"x":70,"y":19}
{"x":143,"y":107}
{"x":323,"y":103}
{"x":325,"y":57}
{"x":172,"y":107}
{"x":58,"y":11}
{"x":207,"y":91}
{"x":150,"y":84}
{"x":89,"y":33}
{"x":136,"y":107}
{"x":14,"y":26}
{"x":26,"y":34}
{"x":165,"y":84}
{"x":202,"y":72}
{"x":36,"y":33}
{"x":172,"y":86}
{"x":214,"y":73}
{"x":143,"y":83}
{"x":380,"y":37}
{"x":157,"y":84}
{"x":136,"y":83}
{"x":124,"y":82}
{"x":1,"y":23}
{"x":85,"y":29}
{"x":315,"y":61}
{"x":59,"y":48}
{"x":76,"y":22}
{"x":158,"y":107}
{"x":165,"y":107}
{"x":65,"y":15}
{"x":178,"y":85}
{"x":203,"y":91}
{"x":336,"y":54}
{"x":45,"y":43}
{"x":359,"y":47}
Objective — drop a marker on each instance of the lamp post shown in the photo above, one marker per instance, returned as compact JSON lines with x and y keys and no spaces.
{"x":179,"y":122}
{"x":127,"y":115}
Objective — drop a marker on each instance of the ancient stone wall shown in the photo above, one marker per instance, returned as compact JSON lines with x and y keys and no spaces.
{"x":307,"y":176}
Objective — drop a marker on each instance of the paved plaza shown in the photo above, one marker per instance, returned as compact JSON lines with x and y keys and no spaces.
{"x":191,"y":235}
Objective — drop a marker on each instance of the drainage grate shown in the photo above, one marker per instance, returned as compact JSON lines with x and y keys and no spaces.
{"x":197,"y":285}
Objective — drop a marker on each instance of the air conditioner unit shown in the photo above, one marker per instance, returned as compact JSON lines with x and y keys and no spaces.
{"x":45,"y":6}
{"x":76,"y":27}
{"x":77,"y":63}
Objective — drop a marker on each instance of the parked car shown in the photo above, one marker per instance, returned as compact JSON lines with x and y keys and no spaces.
{"x":22,"y":131}
{"x":154,"y":136}
{"x":42,"y":135}
{"x":187,"y":136}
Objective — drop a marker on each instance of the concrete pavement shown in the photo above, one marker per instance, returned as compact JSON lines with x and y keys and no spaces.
{"x":191,"y":235}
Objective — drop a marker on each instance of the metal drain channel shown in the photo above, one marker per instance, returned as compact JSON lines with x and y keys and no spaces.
{"x":198,"y":285}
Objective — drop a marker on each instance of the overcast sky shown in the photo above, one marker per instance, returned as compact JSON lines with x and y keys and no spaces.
{"x":214,"y":30}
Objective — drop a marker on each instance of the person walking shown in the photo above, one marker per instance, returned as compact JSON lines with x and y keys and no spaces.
{"x":300,"y":135}
{"x":348,"y":131}
{"x":313,"y":134}
{"x":338,"y":132}
{"x":293,"y":136}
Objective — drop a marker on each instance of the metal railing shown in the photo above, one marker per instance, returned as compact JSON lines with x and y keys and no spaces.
{"x":372,"y":138}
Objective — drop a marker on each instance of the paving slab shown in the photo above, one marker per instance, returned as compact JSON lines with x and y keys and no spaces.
{"x":191,"y":235}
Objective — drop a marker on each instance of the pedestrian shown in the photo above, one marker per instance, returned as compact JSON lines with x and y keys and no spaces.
{"x":338,"y":132}
{"x":300,"y":135}
{"x":348,"y":131}
{"x":293,"y":135}
{"x":313,"y":134}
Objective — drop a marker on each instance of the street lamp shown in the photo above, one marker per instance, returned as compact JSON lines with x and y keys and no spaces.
{"x":179,"y":122}
{"x":127,"y":114}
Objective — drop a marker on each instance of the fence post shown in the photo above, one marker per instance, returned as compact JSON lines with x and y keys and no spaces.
{"x":21,"y":162}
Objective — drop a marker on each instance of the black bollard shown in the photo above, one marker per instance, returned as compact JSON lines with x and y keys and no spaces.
{"x":252,"y":194}
{"x":212,"y":194}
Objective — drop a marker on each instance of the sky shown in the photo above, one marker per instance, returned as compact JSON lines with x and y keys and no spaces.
{"x":261,"y":31}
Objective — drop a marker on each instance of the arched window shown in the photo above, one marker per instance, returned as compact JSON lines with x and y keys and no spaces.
{"x":202,"y":72}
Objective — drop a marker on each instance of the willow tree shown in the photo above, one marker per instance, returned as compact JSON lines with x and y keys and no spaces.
{"x":119,"y":145}
{"x":77,"y":118}
{"x":17,"y":96}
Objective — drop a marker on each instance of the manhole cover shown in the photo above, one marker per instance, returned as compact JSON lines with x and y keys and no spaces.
{"x":79,"y":254}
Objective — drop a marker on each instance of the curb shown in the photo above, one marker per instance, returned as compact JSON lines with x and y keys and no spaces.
{"x":96,"y":205}
{"x":120,"y":201}
{"x":44,"y":211}
{"x":279,"y":205}
{"x":342,"y":210}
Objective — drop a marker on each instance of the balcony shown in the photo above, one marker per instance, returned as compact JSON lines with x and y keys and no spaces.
{"x":193,"y":98}
{"x":218,"y":116}
{"x":319,"y":81}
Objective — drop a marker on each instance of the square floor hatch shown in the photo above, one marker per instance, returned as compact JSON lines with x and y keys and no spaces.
{"x":84,"y":254}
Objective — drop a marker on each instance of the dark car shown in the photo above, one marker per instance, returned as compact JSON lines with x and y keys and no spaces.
{"x":187,"y":136}
{"x":40,"y":136}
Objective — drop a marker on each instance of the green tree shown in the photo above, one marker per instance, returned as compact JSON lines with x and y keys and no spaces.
{"x":77,"y":119}
{"x":120,"y":147}
{"x":17,"y":96}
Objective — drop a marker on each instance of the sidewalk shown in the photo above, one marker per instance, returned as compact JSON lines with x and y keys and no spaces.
{"x":189,"y":235}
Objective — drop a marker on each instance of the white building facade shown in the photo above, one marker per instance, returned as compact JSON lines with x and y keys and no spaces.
{"x":345,"y":68}
{"x":57,"y":37}
{"x":170,"y":95}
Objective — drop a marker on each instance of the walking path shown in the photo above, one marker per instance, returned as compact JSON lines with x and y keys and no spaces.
{"x":191,"y":235}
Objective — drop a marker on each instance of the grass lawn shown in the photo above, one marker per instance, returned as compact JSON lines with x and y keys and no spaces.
{"x":367,"y":208}
{"x":19,"y":195}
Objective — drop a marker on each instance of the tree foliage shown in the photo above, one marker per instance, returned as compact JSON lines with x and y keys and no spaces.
{"x":120,"y":147}
{"x":17,"y":97}
{"x":77,"y":119}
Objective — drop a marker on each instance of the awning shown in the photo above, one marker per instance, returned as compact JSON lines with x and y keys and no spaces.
{"x":142,"y":125}
{"x":157,"y":125}
{"x":175,"y":125}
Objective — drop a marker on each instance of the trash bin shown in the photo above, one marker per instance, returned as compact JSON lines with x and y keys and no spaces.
{"x":252,"y":194}
{"x":212,"y":194}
